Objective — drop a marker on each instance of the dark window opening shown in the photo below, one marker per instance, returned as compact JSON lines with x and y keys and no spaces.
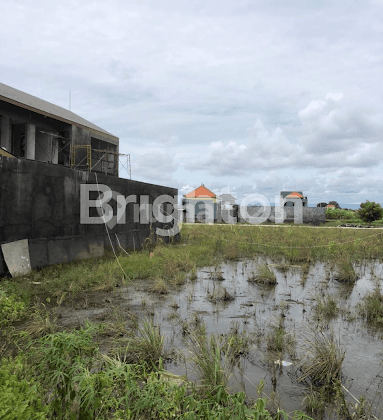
{"x":18,"y":146}
{"x":64,"y":148}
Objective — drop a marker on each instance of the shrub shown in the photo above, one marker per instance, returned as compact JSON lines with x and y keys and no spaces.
{"x":335,"y":214}
{"x":370,"y":211}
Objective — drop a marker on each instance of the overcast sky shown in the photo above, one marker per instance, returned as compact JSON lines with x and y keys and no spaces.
{"x":240,"y":95}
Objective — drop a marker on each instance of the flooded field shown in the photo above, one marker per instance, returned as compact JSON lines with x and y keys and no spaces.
{"x":225,"y":301}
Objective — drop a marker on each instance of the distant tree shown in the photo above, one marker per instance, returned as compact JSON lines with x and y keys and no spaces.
{"x":370,"y":211}
{"x":337,"y":206}
{"x":321,"y":204}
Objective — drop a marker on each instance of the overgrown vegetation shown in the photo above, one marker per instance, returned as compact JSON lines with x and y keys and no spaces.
{"x":334,"y":213}
{"x":51,"y":373}
{"x":64,"y":376}
{"x":204,"y":245}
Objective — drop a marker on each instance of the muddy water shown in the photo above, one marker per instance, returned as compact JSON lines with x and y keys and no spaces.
{"x":254,"y":309}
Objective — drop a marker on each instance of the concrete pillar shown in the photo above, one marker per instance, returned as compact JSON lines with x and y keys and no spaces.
{"x":55,"y":150}
{"x":5,"y":130}
{"x":30,"y":138}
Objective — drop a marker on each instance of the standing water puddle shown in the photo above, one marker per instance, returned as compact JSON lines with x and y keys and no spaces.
{"x":253,"y":311}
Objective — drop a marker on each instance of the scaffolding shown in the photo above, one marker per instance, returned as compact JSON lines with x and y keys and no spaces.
{"x":83,"y":157}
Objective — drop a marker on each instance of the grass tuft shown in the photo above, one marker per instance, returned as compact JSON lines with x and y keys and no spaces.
{"x":345,"y":271}
{"x":219,"y":294}
{"x":326,"y":307}
{"x":146,"y":347}
{"x":42,"y":322}
{"x":206,"y":357}
{"x":159,"y":286}
{"x":264,"y":275}
{"x":322,"y":362}
{"x":372,"y":307}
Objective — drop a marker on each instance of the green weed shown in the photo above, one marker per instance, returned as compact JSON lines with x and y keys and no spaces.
{"x":146,"y":347}
{"x":371,"y":307}
{"x":11,"y":309}
{"x":326,"y":307}
{"x":20,"y":394}
{"x":345,"y":271}
{"x":219,"y":294}
{"x":264,"y":275}
{"x":322,"y":363}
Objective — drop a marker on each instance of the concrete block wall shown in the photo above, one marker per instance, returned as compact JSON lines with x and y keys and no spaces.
{"x":41,"y":202}
{"x":314,"y":215}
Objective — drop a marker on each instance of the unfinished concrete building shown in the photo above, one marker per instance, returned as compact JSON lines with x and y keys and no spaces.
{"x":35,"y":129}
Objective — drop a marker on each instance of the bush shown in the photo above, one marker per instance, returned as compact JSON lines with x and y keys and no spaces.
{"x":370,"y":211}
{"x":332,"y":213}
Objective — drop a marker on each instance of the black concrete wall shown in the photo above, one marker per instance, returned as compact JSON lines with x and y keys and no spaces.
{"x":41,"y":202}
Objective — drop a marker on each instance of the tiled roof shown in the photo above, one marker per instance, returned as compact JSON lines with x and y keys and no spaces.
{"x":201,"y":192}
{"x":294,"y":195}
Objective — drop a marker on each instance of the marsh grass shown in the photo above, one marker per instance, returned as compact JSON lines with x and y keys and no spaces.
{"x":219,"y":294}
{"x":209,"y":363}
{"x":284,"y":267}
{"x":345,"y":271}
{"x":193,"y":273}
{"x":371,"y":307}
{"x":64,"y":376}
{"x":321,"y":364}
{"x":235,"y":344}
{"x":305,"y":268}
{"x":145,"y":347}
{"x":314,"y":403}
{"x":178,"y":279}
{"x":263,"y":275}
{"x":217,"y":273}
{"x":326,"y":307}
{"x":275,"y":340}
{"x":199,"y":246}
{"x":159,"y":286}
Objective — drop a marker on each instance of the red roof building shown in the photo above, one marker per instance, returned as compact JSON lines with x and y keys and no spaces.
{"x":294,"y":194}
{"x":200,"y":192}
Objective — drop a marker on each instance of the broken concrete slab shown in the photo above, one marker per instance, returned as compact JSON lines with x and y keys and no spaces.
{"x":16,"y":256}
